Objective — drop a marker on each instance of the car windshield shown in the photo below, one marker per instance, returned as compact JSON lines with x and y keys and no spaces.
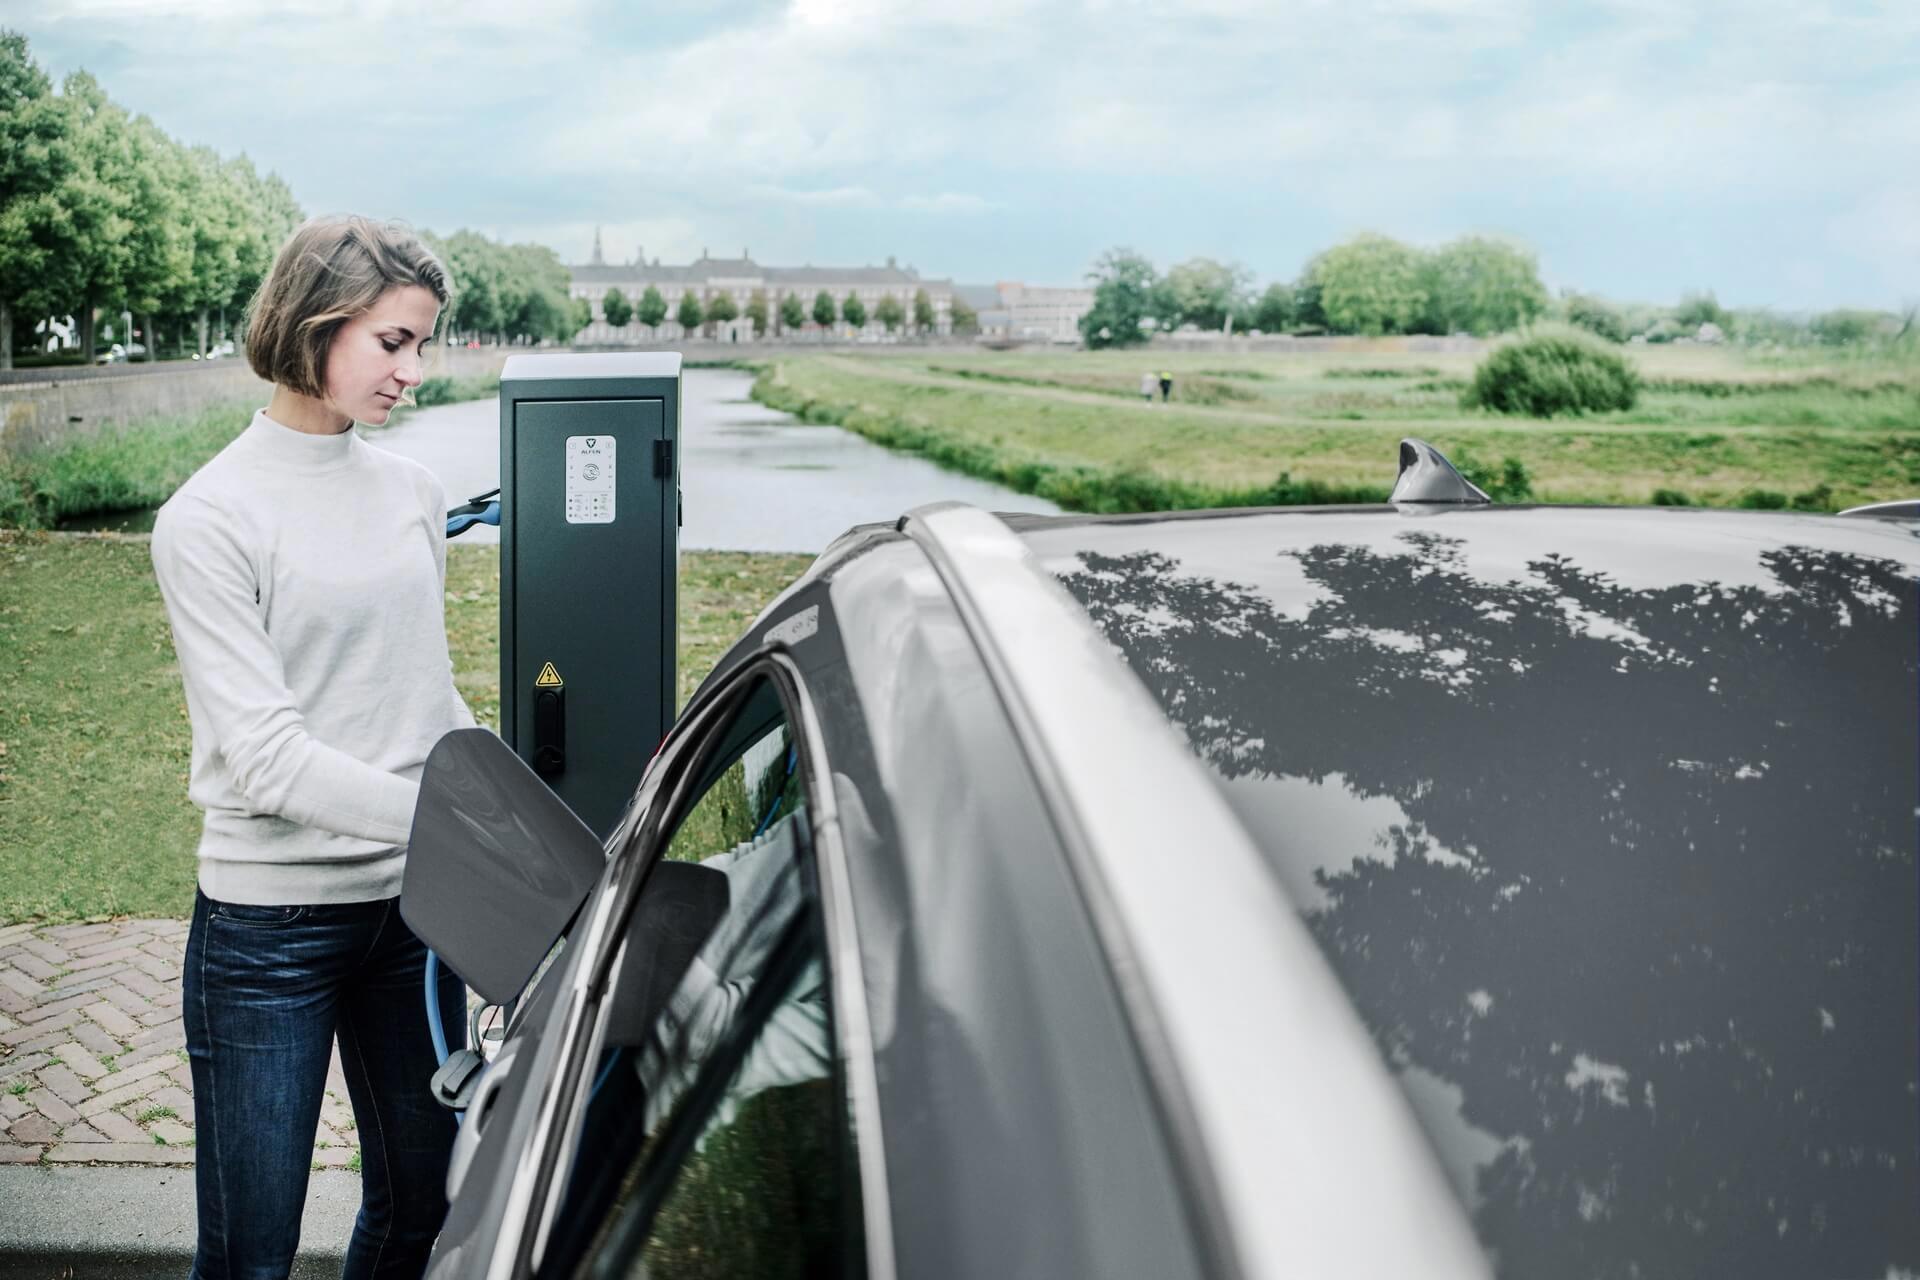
{"x":1606,"y":822}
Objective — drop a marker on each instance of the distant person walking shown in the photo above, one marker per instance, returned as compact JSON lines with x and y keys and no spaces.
{"x":1147,"y":384}
{"x":303,"y":571}
{"x":1166,"y":387}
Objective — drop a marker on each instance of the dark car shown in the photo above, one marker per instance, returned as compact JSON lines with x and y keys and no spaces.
{"x":1430,"y":889}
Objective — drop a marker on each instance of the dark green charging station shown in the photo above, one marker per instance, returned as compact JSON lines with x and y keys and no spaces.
{"x":589,"y":547}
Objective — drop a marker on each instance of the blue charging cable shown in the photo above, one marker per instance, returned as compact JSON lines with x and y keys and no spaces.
{"x":483,"y":509}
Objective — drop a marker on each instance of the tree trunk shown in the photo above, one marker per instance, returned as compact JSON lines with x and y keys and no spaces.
{"x":202,"y":337}
{"x":6,"y":335}
{"x":86,"y":328}
{"x":153,"y":338}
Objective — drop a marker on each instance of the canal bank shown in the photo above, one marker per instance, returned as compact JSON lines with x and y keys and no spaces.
{"x":755,"y":478}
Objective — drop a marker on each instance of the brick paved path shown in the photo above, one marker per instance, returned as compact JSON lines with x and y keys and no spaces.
{"x":93,"y":1060}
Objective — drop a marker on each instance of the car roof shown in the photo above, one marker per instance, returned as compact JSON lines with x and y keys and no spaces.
{"x":1605,"y":819}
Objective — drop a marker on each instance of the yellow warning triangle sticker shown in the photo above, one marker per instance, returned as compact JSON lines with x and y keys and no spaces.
{"x":548,"y":678}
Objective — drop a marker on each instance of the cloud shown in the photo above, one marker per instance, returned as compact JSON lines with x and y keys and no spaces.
{"x":826,"y":197}
{"x":1197,"y":124}
{"x":949,"y":202}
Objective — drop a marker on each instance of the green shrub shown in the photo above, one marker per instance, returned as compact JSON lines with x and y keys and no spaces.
{"x":1671,"y":498}
{"x":445,"y":390}
{"x":433,"y":391}
{"x":139,"y":464}
{"x":1596,"y":317}
{"x":125,"y":468}
{"x":1410,"y":371}
{"x":1547,"y":376}
{"x":1818,"y":498}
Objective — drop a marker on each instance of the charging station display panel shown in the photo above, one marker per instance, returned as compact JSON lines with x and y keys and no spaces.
{"x":588,"y":539}
{"x":590,"y":479}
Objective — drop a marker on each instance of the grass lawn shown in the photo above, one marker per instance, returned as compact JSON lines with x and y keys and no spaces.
{"x":1713,"y":426}
{"x":94,"y":741}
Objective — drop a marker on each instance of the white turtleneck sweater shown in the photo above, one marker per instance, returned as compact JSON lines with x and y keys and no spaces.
{"x":305,"y":577}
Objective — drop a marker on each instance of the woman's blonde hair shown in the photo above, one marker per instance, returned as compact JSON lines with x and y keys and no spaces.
{"x":329,"y":270}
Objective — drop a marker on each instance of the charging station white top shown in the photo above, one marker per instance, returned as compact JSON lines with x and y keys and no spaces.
{"x":592,"y":364}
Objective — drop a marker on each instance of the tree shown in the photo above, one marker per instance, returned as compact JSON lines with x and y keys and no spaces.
{"x":924,"y":320}
{"x":1481,"y":286}
{"x":36,"y":158}
{"x":617,"y":309}
{"x":690,"y":313}
{"x":793,"y":316}
{"x":219,"y":212}
{"x":272,"y":214}
{"x":102,"y":210}
{"x":479,"y":279}
{"x":757,"y":312}
{"x":95,"y":198}
{"x":890,"y":313}
{"x":1846,"y":327}
{"x":1123,"y":296}
{"x":652,"y":309}
{"x":965,"y":321}
{"x":537,"y":299}
{"x":1309,"y":309}
{"x":579,"y":317}
{"x":1273,"y":313}
{"x":853,"y":311}
{"x":1696,"y":309}
{"x":721,"y":308}
{"x":158,"y":274}
{"x":1203,"y":292}
{"x":1587,"y":312}
{"x":1758,"y":325}
{"x":823,"y":309}
{"x":1371,"y":285}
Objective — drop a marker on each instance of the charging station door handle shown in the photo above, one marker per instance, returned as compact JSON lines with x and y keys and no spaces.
{"x":550,"y":730}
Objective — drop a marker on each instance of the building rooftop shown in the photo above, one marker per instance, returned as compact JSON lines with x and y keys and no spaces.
{"x":706,"y":268}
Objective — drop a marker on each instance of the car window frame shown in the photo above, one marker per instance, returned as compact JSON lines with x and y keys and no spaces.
{"x":668,"y":790}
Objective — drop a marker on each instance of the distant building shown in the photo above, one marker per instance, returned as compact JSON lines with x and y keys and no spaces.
{"x":1023,"y":312}
{"x":740,"y":278}
{"x":991,"y":313}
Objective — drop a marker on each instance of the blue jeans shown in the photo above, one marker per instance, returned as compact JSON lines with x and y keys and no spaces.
{"x":266,"y":991}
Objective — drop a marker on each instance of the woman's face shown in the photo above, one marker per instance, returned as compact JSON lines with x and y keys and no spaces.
{"x":375,"y":356}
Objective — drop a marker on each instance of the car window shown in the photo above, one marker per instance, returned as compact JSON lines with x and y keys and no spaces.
{"x":717,"y":1128}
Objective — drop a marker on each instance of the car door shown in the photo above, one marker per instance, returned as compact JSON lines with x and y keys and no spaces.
{"x":690,"y":1060}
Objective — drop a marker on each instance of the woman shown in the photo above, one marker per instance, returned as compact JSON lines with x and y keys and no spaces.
{"x":303,"y":572}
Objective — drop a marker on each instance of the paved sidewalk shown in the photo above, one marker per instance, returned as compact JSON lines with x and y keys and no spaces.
{"x":93,"y":1060}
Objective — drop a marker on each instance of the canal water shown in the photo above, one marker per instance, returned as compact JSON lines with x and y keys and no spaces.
{"x":755,"y":478}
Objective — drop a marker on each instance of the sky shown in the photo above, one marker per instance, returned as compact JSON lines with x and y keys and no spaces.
{"x":1768,"y":150}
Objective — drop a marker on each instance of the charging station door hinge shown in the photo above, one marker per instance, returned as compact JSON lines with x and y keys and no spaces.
{"x":663,"y":458}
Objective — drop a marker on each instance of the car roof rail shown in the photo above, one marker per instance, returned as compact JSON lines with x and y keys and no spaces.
{"x":1427,"y":476}
{"x":1903,"y":509}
